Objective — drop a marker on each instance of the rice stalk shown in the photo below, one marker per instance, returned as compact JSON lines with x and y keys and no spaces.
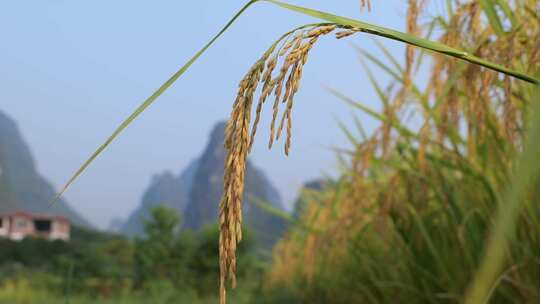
{"x":291,"y":52}
{"x":413,"y":12}
{"x":434,"y":195}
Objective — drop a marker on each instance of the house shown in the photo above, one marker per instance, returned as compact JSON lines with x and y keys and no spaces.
{"x":18,"y":225}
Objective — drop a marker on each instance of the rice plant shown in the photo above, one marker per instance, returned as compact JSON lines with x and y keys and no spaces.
{"x":410,"y":218}
{"x":475,"y":122}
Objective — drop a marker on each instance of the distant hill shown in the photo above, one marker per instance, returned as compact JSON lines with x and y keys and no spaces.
{"x":197,"y":191}
{"x":165,"y":189}
{"x":21,"y":186}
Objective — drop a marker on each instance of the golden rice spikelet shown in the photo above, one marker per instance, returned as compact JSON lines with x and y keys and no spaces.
{"x":413,"y":12}
{"x":291,"y":52}
{"x":237,"y":144}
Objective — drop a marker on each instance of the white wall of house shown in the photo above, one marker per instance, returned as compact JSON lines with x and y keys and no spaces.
{"x":20,"y":227}
{"x":59,"y":231}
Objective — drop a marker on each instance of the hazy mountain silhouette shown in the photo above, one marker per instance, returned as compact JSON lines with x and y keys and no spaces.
{"x":197,"y":191}
{"x":21,"y":186}
{"x":165,"y":189}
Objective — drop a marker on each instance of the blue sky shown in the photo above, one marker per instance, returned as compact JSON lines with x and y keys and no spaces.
{"x":71,"y":71}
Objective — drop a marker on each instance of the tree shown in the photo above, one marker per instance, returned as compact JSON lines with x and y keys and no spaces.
{"x":163,"y":252}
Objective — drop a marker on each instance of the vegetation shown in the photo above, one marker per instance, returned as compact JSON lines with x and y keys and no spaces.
{"x":166,"y":266}
{"x":410,"y":216}
{"x":434,"y":208}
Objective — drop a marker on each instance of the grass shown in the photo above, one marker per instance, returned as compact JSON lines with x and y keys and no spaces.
{"x":25,"y":294}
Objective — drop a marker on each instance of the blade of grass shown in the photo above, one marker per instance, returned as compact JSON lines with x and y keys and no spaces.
{"x":449,"y":9}
{"x":389,"y":56}
{"x":427,"y":238}
{"x":401,"y":129}
{"x":380,"y":93}
{"x":347,"y":132}
{"x":379,"y":63}
{"x":507,"y":11}
{"x":491,"y":13}
{"x":343,"y":21}
{"x":149,"y":101}
{"x":421,"y":56}
{"x":271,"y":210}
{"x":360,"y":128}
{"x":403,"y":37}
{"x":414,"y":89}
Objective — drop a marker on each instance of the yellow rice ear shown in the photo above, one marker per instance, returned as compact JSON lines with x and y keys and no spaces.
{"x":292,"y":56}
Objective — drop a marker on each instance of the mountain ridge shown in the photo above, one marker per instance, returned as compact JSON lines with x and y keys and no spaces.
{"x":197,"y":199}
{"x":22,"y":187}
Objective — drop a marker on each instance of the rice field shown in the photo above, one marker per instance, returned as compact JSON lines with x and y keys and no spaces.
{"x":439,"y":204}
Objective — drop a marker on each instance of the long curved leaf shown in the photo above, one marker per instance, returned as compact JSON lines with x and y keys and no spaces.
{"x":406,"y":38}
{"x":149,"y":102}
{"x":343,"y":21}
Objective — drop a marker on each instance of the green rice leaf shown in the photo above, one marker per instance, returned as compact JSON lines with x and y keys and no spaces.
{"x":394,"y":123}
{"x":491,"y":12}
{"x":389,"y":56}
{"x":148,"y":102}
{"x":343,"y":21}
{"x":505,"y":7}
{"x":406,"y":38}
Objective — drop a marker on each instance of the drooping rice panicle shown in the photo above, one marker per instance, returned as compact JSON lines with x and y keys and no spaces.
{"x":292,"y":55}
